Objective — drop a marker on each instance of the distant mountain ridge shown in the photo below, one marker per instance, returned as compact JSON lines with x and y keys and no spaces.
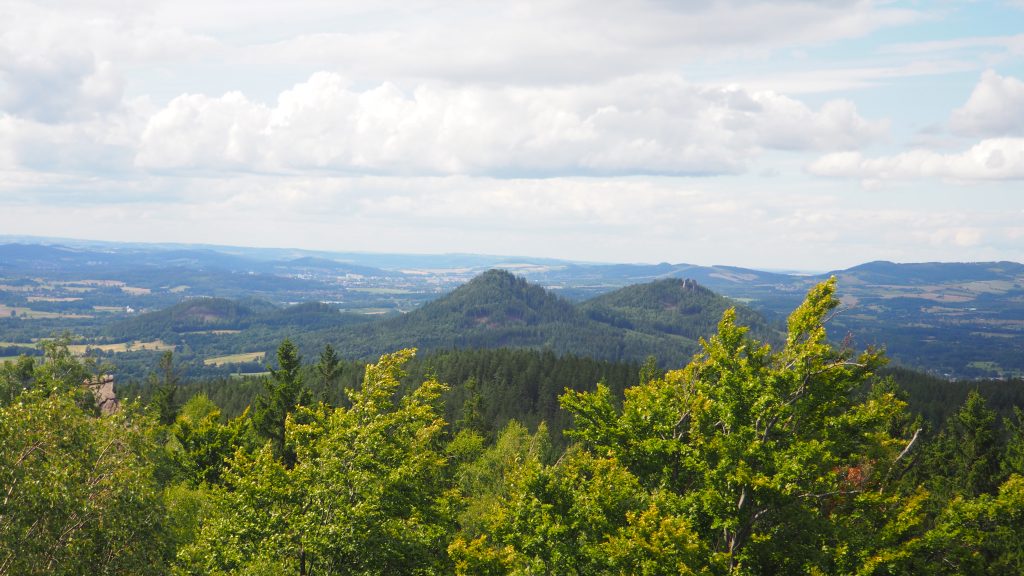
{"x":961,"y":320}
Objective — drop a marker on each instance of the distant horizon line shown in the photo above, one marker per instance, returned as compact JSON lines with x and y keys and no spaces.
{"x":70,"y":242}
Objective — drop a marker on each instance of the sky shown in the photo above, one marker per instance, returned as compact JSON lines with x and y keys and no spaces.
{"x":799,"y":135}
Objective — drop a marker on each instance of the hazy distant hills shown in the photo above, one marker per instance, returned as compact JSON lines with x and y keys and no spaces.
{"x":68,"y":260}
{"x":930,"y":273}
{"x":954,"y":319}
{"x":959,"y":319}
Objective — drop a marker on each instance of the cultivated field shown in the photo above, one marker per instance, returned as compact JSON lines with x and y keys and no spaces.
{"x":235,"y":359}
{"x":30,"y":314}
{"x":136,"y":346}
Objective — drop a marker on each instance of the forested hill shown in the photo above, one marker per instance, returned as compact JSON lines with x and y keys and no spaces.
{"x":188,"y":316}
{"x":495,"y":309}
{"x":672,"y":306}
{"x":498,"y":309}
{"x":220,"y":315}
{"x":953,"y":319}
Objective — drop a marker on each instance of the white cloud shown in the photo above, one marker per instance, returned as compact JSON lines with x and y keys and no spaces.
{"x":991,"y":159}
{"x":69,"y":83}
{"x":632,"y":125}
{"x":995,"y":108}
{"x":425,"y":125}
{"x":844,"y":79}
{"x":71,"y":62}
{"x":531,"y":43}
{"x":95,"y":146}
{"x":559,"y":40}
{"x":1010,"y":44}
{"x":615,"y":219}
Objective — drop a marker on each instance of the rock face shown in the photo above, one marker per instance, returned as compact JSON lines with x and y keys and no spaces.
{"x":102,"y":388}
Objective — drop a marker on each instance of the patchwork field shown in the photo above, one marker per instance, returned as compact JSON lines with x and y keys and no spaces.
{"x":21,"y":344}
{"x":52,"y":299}
{"x":30,"y":314}
{"x":135,"y":346}
{"x":235,"y":359}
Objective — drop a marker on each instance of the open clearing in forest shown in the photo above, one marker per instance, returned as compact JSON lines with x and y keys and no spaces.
{"x":367,"y":290}
{"x":52,"y":299}
{"x":369,"y":311}
{"x":136,"y":346}
{"x":21,"y":344}
{"x":989,"y":366}
{"x":30,"y":314}
{"x":235,"y":359}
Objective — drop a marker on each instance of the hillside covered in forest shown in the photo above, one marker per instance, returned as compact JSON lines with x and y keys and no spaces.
{"x":748,"y":460}
{"x":497,"y":309}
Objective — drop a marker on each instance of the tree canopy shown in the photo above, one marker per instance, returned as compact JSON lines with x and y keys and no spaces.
{"x":751,"y":459}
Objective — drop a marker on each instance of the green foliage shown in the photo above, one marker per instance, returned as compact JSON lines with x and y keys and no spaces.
{"x":521,"y":385}
{"x":750,"y":460}
{"x":187,"y":507}
{"x":78,"y":494}
{"x":283,"y":393}
{"x":367,"y":493}
{"x":964,"y":458}
{"x":1013,"y":456}
{"x":472,"y":417}
{"x":649,"y":370}
{"x":487,"y":479}
{"x":983,"y":535}
{"x":582,"y":515}
{"x":328,"y":369}
{"x":165,"y":387}
{"x":758,"y":458}
{"x":15,"y":377}
{"x":201,"y":444}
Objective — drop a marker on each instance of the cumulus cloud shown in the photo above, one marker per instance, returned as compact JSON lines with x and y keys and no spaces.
{"x":67,"y":84}
{"x":991,"y":159}
{"x":548,"y":87}
{"x":441,"y":125}
{"x":532,"y":42}
{"x":96,"y":146}
{"x":633,"y":125}
{"x":63,"y":63}
{"x":995,"y":108}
